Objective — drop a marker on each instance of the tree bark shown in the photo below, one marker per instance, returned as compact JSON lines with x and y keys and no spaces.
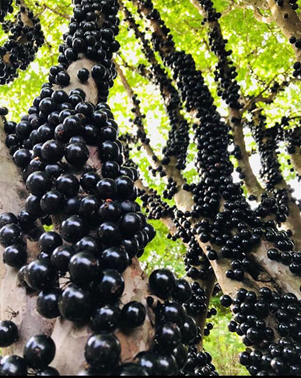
{"x":288,"y":21}
{"x":235,"y":115}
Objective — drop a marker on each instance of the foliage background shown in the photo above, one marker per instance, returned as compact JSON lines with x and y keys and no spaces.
{"x":261,"y":56}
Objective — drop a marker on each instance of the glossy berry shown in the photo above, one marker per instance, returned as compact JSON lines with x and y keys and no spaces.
{"x":114,"y":258}
{"x":173,"y":312}
{"x":89,"y":181}
{"x":7,"y":218}
{"x":40,"y":274}
{"x":14,"y":366}
{"x":67,"y":185}
{"x":47,"y":303}
{"x":226,"y":301}
{"x":39,"y":351}
{"x":168,"y":336}
{"x":106,"y":189}
{"x":133,"y":315}
{"x":167,"y":365}
{"x":22,"y":158}
{"x":61,"y":256}
{"x":130,"y":224}
{"x":89,"y":244}
{"x":162,"y":283}
{"x":83,"y":75}
{"x":52,"y":151}
{"x":76,"y":154}
{"x":52,"y":202}
{"x":125,"y":187}
{"x":103,"y":351}
{"x":10,"y":234}
{"x":38,"y":183}
{"x":189,"y":330}
{"x":109,"y":211}
{"x":182,"y":291}
{"x":49,"y":241}
{"x":8,"y":333}
{"x":181,"y":355}
{"x":75,"y":304}
{"x":83,"y":267}
{"x":63,"y":79}
{"x":73,"y":229}
{"x":111,"y":285}
{"x":108,"y":233}
{"x":15,"y":255}
{"x":106,"y":318}
{"x":148,"y":361}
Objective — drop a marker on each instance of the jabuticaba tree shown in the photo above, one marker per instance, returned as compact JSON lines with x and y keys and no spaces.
{"x":74,"y":298}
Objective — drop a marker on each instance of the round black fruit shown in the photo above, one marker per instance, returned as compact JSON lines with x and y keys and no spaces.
{"x":8,"y":333}
{"x":39,"y":351}
{"x":162,"y":283}
{"x":103,"y":351}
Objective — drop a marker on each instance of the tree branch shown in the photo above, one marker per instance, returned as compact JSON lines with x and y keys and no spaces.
{"x":235,"y":116}
{"x":267,"y":147}
{"x":182,"y":198}
{"x":288,"y":21}
{"x":294,"y":148}
{"x":141,"y":133}
{"x":178,"y":140}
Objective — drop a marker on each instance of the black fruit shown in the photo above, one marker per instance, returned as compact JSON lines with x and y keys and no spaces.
{"x":8,"y":333}
{"x":39,"y":351}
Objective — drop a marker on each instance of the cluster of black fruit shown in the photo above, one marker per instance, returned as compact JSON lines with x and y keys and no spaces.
{"x":292,"y":3}
{"x":21,"y":47}
{"x":178,"y":139}
{"x":293,"y":138}
{"x":138,"y":120}
{"x":253,"y":315}
{"x":175,"y":327}
{"x":197,"y":265}
{"x":211,"y":134}
{"x":225,"y":74}
{"x":211,"y":15}
{"x":38,"y":354}
{"x":5,"y":7}
{"x":284,"y":249}
{"x":154,"y":206}
{"x":266,"y":140}
{"x":297,"y":68}
{"x":294,"y":40}
{"x":86,"y":38}
{"x":157,"y":170}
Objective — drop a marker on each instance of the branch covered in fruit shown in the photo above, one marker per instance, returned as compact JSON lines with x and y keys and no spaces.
{"x":25,"y":38}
